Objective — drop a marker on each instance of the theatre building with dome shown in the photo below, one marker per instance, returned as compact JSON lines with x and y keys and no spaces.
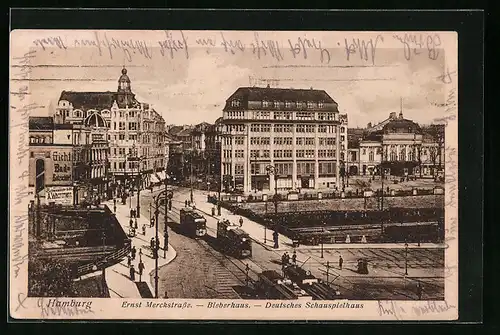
{"x":399,"y":147}
{"x":115,"y":141}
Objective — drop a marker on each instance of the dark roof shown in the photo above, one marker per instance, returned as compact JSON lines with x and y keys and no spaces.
{"x":89,"y":100}
{"x":175,"y":130}
{"x":95,"y":100}
{"x":400,"y":124}
{"x":185,"y":132}
{"x":280,"y":94}
{"x":41,"y":123}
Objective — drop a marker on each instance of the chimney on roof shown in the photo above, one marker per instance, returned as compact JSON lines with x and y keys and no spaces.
{"x":392,"y":115}
{"x":268,"y":86}
{"x":311,"y":87}
{"x":369,"y":125}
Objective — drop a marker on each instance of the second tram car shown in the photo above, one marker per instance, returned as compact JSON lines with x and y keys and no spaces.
{"x":271,"y":285}
{"x":233,"y":239}
{"x":193,"y":223}
{"x":310,"y":284}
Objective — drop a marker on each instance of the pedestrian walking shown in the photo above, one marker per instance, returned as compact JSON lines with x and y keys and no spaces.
{"x":185,"y":203}
{"x":152,"y":243}
{"x":275,"y":239}
{"x":131,"y":222}
{"x":131,"y":212}
{"x":129,"y":260}
{"x":114,"y":208}
{"x":287,"y":258}
{"x":294,"y":258}
{"x":152,"y":223}
{"x":132,"y":273}
{"x":283,"y":259}
{"x":241,"y":221}
{"x":341,"y":261}
{"x":135,"y":223}
{"x":144,"y":229}
{"x":133,"y":251}
{"x":213,"y":211}
{"x":420,"y":290}
{"x":141,"y":270}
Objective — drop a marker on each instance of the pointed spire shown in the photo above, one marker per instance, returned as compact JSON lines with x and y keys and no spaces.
{"x":401,"y":108}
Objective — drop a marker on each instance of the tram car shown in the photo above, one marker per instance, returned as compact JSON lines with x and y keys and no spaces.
{"x":271,"y":285}
{"x":233,"y":239}
{"x":192,"y":223}
{"x":313,"y":286}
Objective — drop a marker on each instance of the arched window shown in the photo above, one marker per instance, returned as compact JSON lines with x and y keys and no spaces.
{"x":393,"y":156}
{"x":402,"y":154}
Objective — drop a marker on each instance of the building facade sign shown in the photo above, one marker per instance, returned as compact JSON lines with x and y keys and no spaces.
{"x":57,"y":162}
{"x":61,"y":195}
{"x":63,"y":165}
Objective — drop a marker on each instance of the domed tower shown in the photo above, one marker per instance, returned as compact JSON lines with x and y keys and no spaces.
{"x":124,"y":82}
{"x":125,"y":95}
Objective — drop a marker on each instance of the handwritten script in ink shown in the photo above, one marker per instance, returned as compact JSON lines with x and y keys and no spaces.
{"x":412,"y":309}
{"x":365,"y":48}
{"x":177,"y":44}
{"x":416,"y":44}
{"x":20,"y":110}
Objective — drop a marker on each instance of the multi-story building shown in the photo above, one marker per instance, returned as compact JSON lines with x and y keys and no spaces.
{"x":295,"y":134}
{"x":135,"y":131}
{"x":401,"y":147}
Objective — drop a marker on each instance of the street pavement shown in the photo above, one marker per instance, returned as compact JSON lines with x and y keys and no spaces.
{"x":388,"y":263}
{"x":118,"y":276}
{"x":263,"y":236}
{"x":199,"y":271}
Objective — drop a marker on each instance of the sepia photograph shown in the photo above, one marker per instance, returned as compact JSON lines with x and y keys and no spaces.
{"x":257,"y":174}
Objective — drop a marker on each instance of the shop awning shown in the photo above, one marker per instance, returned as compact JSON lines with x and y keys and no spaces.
{"x":154,"y":179}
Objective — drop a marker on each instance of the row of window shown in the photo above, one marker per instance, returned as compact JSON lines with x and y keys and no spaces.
{"x":287,"y":104}
{"x":134,"y":165}
{"x":283,"y":169}
{"x":323,"y":141}
{"x":284,"y":128}
{"x":280,"y":153}
{"x":281,"y":115}
{"x":83,"y":114}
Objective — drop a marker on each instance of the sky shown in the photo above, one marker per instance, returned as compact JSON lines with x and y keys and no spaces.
{"x":191,"y":86}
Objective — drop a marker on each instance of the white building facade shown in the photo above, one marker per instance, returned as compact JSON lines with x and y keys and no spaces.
{"x":281,"y":139}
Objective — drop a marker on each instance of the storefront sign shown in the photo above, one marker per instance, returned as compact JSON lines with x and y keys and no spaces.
{"x":60,"y":195}
{"x":63,"y":165}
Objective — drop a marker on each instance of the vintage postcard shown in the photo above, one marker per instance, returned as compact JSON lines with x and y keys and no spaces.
{"x":244,"y":175}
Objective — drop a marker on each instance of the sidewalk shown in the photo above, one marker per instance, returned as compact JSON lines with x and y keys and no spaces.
{"x":259,"y":233}
{"x":118,"y":276}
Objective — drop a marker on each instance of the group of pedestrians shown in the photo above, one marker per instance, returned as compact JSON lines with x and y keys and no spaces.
{"x":140,"y":266}
{"x":285,"y":259}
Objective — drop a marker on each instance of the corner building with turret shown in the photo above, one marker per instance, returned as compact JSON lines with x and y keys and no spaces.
{"x":134,"y":132}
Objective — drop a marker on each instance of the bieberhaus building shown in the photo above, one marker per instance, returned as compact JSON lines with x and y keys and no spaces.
{"x":281,"y":139}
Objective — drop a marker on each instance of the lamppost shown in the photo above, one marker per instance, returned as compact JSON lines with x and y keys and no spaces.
{"x":271,"y":170}
{"x":164,"y":195}
{"x":322,"y":240}
{"x":104,"y":260}
{"x":139,"y":160}
{"x":406,"y":259}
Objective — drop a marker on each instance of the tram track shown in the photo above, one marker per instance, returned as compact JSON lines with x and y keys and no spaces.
{"x":237,"y":267}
